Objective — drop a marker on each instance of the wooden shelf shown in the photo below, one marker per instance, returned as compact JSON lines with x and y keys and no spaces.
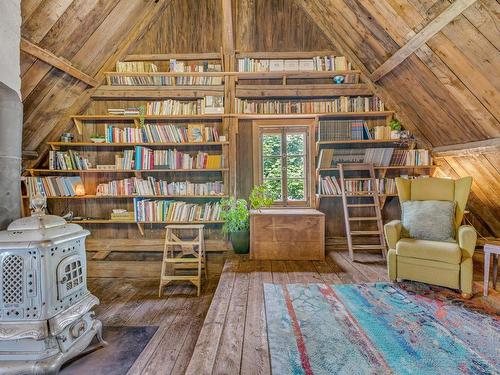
{"x":146,"y":117}
{"x":291,"y":74}
{"x":357,"y":141}
{"x":302,"y":90}
{"x":168,"y":74}
{"x":387,"y":168}
{"x":321,"y":196}
{"x":157,"y":92}
{"x":118,"y":171}
{"x":176,"y":56}
{"x":137,"y":196}
{"x":313,"y":115}
{"x":149,"y":144}
{"x":109,"y":221}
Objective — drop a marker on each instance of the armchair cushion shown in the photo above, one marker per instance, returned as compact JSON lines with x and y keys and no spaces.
{"x":446,"y":252}
{"x":428,"y":220}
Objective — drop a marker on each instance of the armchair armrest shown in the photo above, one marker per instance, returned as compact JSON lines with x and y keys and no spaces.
{"x":467,"y":237}
{"x":392,"y":232}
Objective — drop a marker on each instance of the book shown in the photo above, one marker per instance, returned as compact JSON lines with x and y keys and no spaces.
{"x":52,"y":186}
{"x":196,"y":132}
{"x":276,"y":65}
{"x":149,"y":210}
{"x":291,"y":65}
{"x":306,"y":65}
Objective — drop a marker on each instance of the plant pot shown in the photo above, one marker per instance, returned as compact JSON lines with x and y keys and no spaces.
{"x":240,"y":241}
{"x":395,"y":134}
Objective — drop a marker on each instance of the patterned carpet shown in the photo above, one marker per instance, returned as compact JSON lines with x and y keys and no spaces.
{"x":381,"y":328}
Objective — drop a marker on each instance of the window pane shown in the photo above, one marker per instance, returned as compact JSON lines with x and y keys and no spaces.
{"x":295,"y":167}
{"x":295,"y":143}
{"x":271,"y":144}
{"x":271,"y":167}
{"x":296,"y":190}
{"x":274,"y":186}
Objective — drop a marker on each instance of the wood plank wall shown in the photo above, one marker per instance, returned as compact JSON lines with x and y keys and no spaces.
{"x":447,"y":92}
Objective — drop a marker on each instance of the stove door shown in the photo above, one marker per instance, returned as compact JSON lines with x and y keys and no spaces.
{"x":70,"y":276}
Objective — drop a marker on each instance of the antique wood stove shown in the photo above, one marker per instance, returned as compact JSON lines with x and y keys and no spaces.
{"x":45,"y":306}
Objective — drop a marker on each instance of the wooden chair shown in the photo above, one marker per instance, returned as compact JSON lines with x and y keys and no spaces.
{"x":181,"y":253}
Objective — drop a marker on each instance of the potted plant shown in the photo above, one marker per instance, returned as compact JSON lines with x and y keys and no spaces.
{"x":97,"y":138}
{"x":396,"y":128}
{"x":236,"y":218}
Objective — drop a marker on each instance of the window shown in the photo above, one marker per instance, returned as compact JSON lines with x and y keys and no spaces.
{"x":282,"y":160}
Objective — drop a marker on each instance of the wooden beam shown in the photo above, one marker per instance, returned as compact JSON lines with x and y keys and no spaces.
{"x":227,"y":27}
{"x":470,"y":148}
{"x":151,"y":12}
{"x":448,"y":15}
{"x":56,"y":62}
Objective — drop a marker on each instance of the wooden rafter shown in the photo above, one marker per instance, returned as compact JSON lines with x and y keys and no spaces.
{"x":448,"y":15}
{"x":56,"y":62}
{"x":470,"y":148}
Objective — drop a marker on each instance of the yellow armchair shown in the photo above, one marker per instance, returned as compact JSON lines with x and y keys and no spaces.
{"x":447,"y":264}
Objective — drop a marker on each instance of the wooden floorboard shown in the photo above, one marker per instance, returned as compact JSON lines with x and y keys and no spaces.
{"x":224,"y":330}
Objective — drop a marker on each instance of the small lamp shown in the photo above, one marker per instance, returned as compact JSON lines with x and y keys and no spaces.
{"x":79,"y":189}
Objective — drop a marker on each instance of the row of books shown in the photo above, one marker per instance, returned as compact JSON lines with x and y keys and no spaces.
{"x":147,"y":210}
{"x":136,"y":67}
{"x":146,"y":158}
{"x":124,"y":111}
{"x":206,"y":105}
{"x":124,"y":160}
{"x":329,"y":185}
{"x":342,"y":130}
{"x":68,"y":160}
{"x":340,"y":104}
{"x":153,"y":133}
{"x":205,"y":66}
{"x":153,"y":186}
{"x":382,"y":157}
{"x":317,"y":63}
{"x":52,"y":186}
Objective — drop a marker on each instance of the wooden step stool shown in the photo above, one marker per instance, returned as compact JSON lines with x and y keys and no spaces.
{"x":188,"y":252}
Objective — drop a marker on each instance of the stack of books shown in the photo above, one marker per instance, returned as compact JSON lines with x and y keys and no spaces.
{"x":147,"y":210}
{"x":377,"y":156}
{"x":121,"y":215}
{"x":117,"y":187}
{"x":342,"y":130}
{"x":147,"y":158}
{"x":381,"y":132}
{"x":152,"y":186}
{"x":336,"y":105}
{"x":419,"y":157}
{"x":55,"y":186}
{"x":206,"y":105}
{"x":328,"y":185}
{"x":125,"y":160}
{"x":68,"y":160}
{"x":135,"y":66}
{"x":182,"y":66}
{"x":153,"y":133}
{"x":317,"y":63}
{"x":124,"y":111}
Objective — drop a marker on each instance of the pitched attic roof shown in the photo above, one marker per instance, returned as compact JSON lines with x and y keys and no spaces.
{"x":446,"y":92}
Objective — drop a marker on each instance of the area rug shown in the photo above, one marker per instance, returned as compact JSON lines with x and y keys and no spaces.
{"x":379,"y":328}
{"x":125,"y":344}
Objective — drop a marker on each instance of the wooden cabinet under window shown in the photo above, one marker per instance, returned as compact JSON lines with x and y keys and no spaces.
{"x":287,"y":234}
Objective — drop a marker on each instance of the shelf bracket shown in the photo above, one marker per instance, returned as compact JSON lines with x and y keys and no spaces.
{"x":141,"y":228}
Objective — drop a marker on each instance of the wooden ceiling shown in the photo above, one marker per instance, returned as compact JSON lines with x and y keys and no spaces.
{"x":446,"y":92}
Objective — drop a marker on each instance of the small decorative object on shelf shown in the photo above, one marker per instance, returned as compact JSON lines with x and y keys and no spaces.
{"x":338,"y":79}
{"x":67,"y":137}
{"x":97,"y":138}
{"x":396,"y":128}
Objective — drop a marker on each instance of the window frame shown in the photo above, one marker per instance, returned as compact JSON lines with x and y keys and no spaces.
{"x":260,"y":127}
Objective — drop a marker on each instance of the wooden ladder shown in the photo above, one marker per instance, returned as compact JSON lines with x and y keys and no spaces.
{"x":375,"y":205}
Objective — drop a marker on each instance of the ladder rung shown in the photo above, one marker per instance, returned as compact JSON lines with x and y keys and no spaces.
{"x":364,"y":232}
{"x":365,"y":247}
{"x":361,"y":205}
{"x":183,"y":243}
{"x":181,"y":260}
{"x":364,"y":218}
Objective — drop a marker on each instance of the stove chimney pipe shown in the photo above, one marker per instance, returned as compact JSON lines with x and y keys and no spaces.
{"x":11,"y":132}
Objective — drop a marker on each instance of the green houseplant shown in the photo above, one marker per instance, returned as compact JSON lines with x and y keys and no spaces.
{"x":396,"y":128}
{"x":236,"y":218}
